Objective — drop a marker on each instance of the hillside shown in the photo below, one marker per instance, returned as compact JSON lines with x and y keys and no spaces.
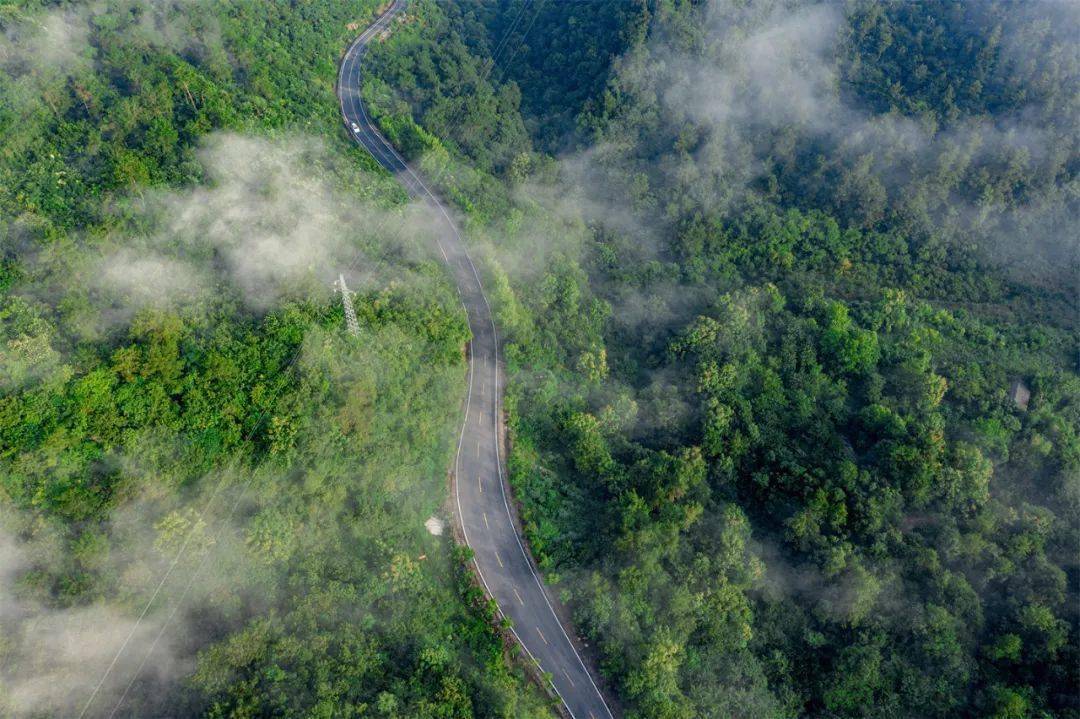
{"x":212,"y":497}
{"x":788,"y":300}
{"x":767,"y":307}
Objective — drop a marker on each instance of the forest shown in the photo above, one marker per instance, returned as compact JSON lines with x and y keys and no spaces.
{"x":788,"y":294}
{"x":771,"y":274}
{"x":212,"y":498}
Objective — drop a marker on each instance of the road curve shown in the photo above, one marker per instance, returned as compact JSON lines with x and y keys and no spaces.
{"x":480,"y":486}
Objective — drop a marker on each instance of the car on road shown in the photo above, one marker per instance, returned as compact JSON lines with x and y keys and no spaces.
{"x":355,"y":128}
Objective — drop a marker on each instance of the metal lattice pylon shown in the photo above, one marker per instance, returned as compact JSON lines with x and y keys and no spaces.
{"x":350,"y":311}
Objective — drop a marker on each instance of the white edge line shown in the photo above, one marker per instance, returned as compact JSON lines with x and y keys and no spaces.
{"x":389,"y":14}
{"x":497,"y":398}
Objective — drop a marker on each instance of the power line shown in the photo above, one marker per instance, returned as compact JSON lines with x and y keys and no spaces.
{"x":539,"y":7}
{"x":506,"y":36}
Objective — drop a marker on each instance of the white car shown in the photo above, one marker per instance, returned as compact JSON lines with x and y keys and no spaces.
{"x":355,"y":128}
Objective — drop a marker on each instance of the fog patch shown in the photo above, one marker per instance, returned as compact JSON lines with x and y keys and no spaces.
{"x":38,"y":50}
{"x":55,"y":657}
{"x":56,"y":41}
{"x":269,"y":224}
{"x":751,"y":82}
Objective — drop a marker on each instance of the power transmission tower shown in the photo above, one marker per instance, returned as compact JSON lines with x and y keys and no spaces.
{"x":350,"y":311}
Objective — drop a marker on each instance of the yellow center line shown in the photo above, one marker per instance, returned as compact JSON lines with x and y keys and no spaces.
{"x":498,"y":559}
{"x":567,"y":675}
{"x":520,"y":600}
{"x":541,"y":635}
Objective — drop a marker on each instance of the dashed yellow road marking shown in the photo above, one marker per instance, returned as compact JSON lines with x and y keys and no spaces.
{"x":486,"y":522}
{"x":567,"y":675}
{"x":541,"y":635}
{"x":498,"y":559}
{"x":520,"y":600}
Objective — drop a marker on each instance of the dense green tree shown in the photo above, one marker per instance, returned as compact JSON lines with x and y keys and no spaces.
{"x":801,"y":487}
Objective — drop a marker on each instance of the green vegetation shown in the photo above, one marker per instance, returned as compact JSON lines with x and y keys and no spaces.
{"x":767,"y":276}
{"x":178,"y":397}
{"x":763,"y":330}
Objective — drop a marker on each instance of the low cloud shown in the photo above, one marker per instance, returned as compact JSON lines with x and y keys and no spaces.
{"x":54,"y":657}
{"x":270,"y":223}
{"x":40,"y":49}
{"x":768,"y":65}
{"x":55,"y":41}
{"x":150,"y":280}
{"x":168,"y":577}
{"x":755,"y":81}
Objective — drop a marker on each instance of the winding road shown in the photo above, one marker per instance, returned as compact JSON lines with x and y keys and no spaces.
{"x":480,"y":487}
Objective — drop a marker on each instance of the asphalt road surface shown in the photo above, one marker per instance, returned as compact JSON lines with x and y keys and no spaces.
{"x":481,"y":492}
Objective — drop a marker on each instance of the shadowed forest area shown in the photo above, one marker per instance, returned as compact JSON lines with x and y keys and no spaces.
{"x":789,"y":298}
